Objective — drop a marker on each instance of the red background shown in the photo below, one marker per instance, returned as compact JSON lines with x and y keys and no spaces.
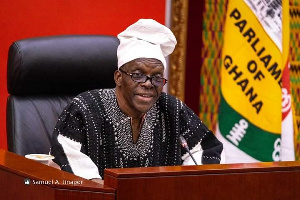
{"x":21,"y":19}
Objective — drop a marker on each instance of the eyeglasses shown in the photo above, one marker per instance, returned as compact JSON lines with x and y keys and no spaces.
{"x":142,"y":78}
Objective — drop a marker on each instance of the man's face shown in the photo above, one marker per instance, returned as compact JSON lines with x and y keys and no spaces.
{"x":134,"y":98}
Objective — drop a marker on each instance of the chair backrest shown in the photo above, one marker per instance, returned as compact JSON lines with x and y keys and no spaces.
{"x":43,"y":76}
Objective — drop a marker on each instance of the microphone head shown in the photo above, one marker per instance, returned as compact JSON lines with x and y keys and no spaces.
{"x":183,"y":142}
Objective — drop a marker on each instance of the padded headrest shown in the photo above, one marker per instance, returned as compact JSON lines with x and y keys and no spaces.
{"x":62,"y":64}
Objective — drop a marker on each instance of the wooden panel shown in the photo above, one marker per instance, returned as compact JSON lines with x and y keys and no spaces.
{"x":45,"y":182}
{"x":278,"y":180}
{"x":237,"y":181}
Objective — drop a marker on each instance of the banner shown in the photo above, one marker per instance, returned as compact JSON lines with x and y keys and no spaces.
{"x":253,"y":63}
{"x":287,"y":133}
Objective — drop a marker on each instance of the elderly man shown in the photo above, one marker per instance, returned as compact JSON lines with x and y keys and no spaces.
{"x":134,"y":124}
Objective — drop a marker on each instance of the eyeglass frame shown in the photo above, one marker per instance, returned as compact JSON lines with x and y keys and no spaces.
{"x":147,"y":78}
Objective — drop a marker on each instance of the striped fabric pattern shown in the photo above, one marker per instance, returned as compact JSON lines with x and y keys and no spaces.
{"x":295,"y":69}
{"x":212,"y":42}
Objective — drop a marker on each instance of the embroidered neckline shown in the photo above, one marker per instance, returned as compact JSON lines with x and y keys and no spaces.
{"x":122,"y":129}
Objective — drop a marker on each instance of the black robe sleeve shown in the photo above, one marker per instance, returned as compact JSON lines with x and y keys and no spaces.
{"x":195,"y":131}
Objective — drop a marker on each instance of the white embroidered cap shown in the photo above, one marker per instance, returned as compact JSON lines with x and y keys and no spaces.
{"x":145,"y":39}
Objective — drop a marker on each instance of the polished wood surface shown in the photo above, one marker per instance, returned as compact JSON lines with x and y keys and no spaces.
{"x":278,"y":180}
{"x":45,"y":182}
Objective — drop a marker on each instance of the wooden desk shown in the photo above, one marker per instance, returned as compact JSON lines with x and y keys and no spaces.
{"x":278,"y":180}
{"x":46,"y":182}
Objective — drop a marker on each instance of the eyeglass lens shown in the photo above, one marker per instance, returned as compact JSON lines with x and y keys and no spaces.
{"x":142,"y":78}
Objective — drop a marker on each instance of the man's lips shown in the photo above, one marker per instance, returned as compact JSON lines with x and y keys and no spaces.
{"x":144,"y":96}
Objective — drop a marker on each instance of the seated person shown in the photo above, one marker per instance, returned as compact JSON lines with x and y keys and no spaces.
{"x":134,"y":124}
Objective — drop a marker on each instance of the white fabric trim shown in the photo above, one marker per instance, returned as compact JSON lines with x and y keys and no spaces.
{"x":197,"y":154}
{"x":80,"y":163}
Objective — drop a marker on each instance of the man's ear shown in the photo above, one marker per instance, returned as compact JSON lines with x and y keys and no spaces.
{"x":118,"y":78}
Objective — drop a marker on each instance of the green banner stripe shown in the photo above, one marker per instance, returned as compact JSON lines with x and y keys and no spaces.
{"x":252,"y":140}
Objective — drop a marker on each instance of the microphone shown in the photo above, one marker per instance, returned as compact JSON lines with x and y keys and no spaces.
{"x":184,"y":144}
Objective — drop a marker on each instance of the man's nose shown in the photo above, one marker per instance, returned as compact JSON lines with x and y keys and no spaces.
{"x":148,"y":83}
